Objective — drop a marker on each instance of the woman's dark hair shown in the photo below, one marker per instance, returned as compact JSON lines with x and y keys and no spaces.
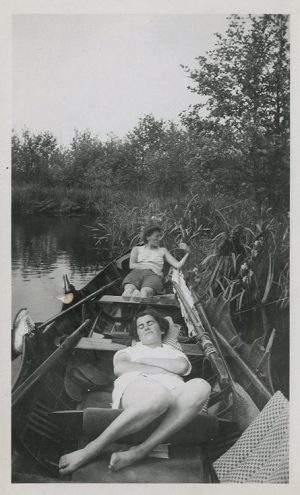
{"x":150,"y":230}
{"x":163,"y":323}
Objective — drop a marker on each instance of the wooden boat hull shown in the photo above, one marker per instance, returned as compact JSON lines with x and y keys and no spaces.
{"x":37,"y":427}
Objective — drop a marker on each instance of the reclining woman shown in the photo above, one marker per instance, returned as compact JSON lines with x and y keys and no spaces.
{"x":146,"y":263}
{"x":149,"y":385}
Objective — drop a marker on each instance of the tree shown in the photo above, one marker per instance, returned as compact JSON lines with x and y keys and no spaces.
{"x":83,"y":158}
{"x":33,"y":156}
{"x":243,"y":116}
{"x":158,"y":156}
{"x":144,"y":140}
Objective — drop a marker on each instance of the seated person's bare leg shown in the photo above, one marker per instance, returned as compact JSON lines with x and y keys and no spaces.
{"x":188,"y":401}
{"x":143,"y":401}
{"x":147,"y":292}
{"x":128,"y":290}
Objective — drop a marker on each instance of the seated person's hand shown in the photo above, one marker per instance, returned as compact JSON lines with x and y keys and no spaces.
{"x":184,"y":247}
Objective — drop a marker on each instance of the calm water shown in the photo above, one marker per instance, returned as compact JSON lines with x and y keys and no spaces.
{"x":44,"y":249}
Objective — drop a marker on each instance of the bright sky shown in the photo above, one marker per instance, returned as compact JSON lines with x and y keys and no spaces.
{"x":104,"y":72}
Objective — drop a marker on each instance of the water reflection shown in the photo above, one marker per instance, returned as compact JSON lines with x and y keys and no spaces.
{"x":38,"y":242}
{"x":43,"y":250}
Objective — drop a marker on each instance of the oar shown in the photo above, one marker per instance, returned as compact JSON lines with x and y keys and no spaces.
{"x":76,"y":305}
{"x":67,"y":344}
{"x":252,"y":377}
{"x":207,"y":345}
{"x":244,"y":407}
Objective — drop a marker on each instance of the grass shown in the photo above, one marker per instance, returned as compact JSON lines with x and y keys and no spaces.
{"x":236,"y":250}
{"x":55,"y":201}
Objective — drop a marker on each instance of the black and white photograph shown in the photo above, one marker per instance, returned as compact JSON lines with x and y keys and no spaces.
{"x":150,"y":248}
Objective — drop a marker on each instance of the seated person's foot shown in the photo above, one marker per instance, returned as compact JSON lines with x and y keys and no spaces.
{"x":136,"y":295}
{"x":147,"y":294}
{"x":70,"y":462}
{"x":120,"y":460}
{"x":127,"y":294}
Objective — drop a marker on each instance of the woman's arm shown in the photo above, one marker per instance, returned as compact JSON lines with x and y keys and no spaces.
{"x":173,"y":261}
{"x":123,"y":364}
{"x":178,"y":365}
{"x":133,"y":262}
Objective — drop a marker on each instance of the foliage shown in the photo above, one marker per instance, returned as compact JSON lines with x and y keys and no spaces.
{"x":248,"y":264}
{"x":242,"y":119}
{"x":244,"y":257}
{"x":34,"y":156}
{"x":56,"y":201}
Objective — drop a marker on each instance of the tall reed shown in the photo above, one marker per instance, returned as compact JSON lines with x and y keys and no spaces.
{"x":235,"y":250}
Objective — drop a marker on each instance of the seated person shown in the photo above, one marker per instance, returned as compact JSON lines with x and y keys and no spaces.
{"x":146,"y":264}
{"x":149,"y":385}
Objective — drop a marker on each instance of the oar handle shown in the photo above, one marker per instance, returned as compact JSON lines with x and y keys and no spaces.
{"x":219,"y":368}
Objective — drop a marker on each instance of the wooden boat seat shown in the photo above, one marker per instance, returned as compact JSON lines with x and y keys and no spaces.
{"x":97,"y":343}
{"x":163,"y":301}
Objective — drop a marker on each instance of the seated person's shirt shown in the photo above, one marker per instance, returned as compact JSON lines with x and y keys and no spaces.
{"x":136,"y":353}
{"x":153,"y":257}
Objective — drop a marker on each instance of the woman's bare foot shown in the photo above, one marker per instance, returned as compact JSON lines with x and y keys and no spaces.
{"x":119,"y":460}
{"x":70,"y":462}
{"x":136,"y":295}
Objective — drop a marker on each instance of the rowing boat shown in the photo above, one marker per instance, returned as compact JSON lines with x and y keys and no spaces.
{"x":62,"y":392}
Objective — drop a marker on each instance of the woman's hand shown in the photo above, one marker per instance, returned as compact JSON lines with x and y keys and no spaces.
{"x":184,"y":247}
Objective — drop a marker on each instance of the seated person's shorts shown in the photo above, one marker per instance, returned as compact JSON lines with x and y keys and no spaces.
{"x":144,"y":278}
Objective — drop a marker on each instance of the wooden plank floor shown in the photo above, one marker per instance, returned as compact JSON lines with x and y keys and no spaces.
{"x":186,"y":465}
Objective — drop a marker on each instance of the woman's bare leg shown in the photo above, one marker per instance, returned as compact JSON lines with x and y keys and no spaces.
{"x":143,"y":401}
{"x":187,"y":403}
